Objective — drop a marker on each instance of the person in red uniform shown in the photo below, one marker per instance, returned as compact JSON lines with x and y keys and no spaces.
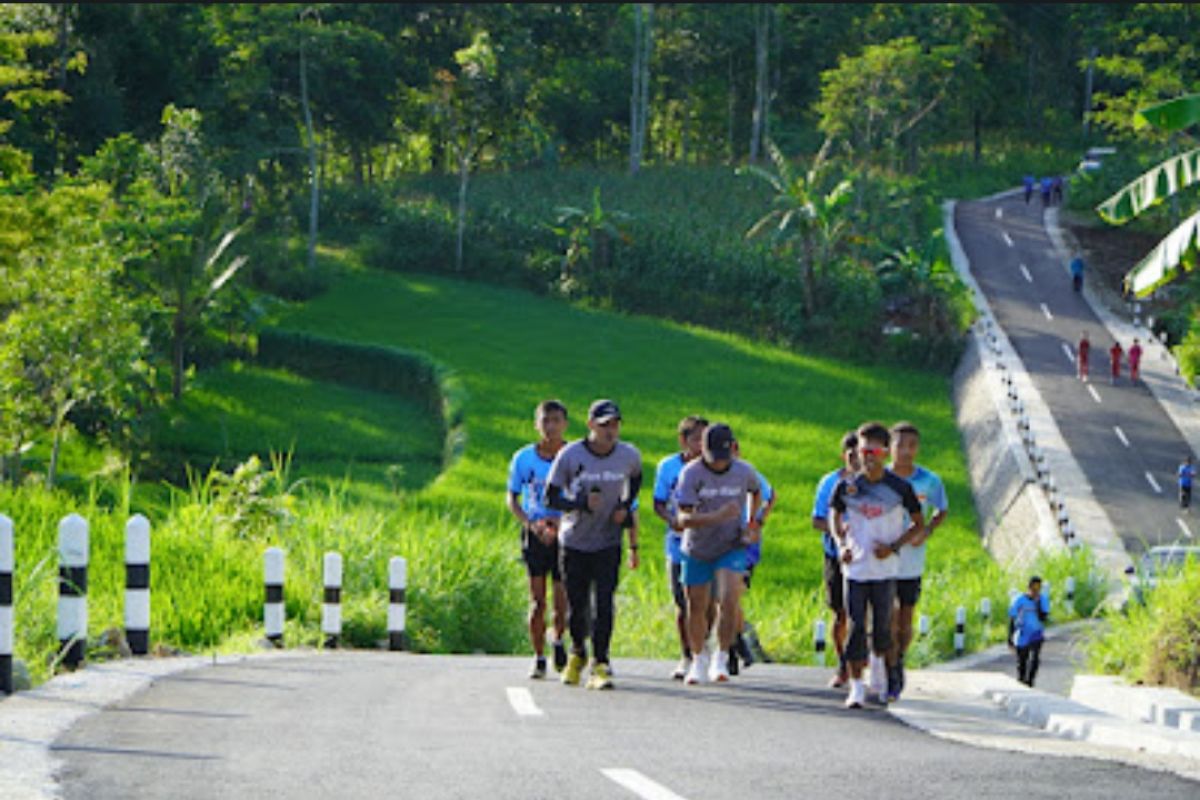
{"x":1135,"y":360}
{"x":1114,"y":356}
{"x":1081,"y":356}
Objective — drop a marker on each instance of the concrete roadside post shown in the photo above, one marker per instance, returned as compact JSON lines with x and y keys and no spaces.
{"x":6,"y":605}
{"x":72,"y":590}
{"x":273,"y":613}
{"x":960,"y":632}
{"x":819,"y":643}
{"x":331,"y":610}
{"x":137,"y":584}
{"x":397,"y":583}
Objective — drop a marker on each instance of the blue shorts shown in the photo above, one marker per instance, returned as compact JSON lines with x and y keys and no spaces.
{"x":697,"y":571}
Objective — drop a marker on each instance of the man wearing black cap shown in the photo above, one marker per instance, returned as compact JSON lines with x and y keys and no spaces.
{"x":595,"y":481}
{"x":711,"y":498}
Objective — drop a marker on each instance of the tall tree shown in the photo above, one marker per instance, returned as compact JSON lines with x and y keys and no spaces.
{"x":639,"y":103}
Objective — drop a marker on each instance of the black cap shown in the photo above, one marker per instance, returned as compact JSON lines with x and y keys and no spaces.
{"x":603,"y":411}
{"x":718,"y":442}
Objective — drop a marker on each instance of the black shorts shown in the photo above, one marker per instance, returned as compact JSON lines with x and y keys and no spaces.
{"x":540,"y":558}
{"x":835,"y":586}
{"x":675,"y":569}
{"x":908,"y":590}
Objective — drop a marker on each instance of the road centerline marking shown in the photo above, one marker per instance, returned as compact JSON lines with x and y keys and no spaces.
{"x":1007,"y":239}
{"x":1095,"y":394}
{"x":522,"y":702}
{"x":1186,"y":530}
{"x":1153,"y":483}
{"x":639,"y":784}
{"x":1068,"y":353}
{"x":1025,"y":272}
{"x":1121,"y":435}
{"x":1046,"y":311}
{"x":999,"y":212}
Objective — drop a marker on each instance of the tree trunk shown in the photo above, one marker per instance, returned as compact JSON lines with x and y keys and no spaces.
{"x":761,"y":73}
{"x":178,"y":329}
{"x":1087,"y":91}
{"x":729,"y":149}
{"x":314,"y":178}
{"x":464,"y":176}
{"x":635,"y":103}
{"x":644,"y":95}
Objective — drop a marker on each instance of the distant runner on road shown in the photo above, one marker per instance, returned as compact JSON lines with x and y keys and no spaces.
{"x":1082,"y":351}
{"x":596,"y":482}
{"x":1135,"y":361}
{"x":1027,"y":618}
{"x":1077,"y":268}
{"x":1114,"y":360}
{"x":539,"y":530}
{"x":1187,"y":473}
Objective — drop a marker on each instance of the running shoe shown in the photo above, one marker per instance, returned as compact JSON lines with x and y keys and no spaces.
{"x":601,"y":677}
{"x":733,"y":660}
{"x":839,"y":680}
{"x":857,"y":695}
{"x":742,"y":648}
{"x":698,"y":671}
{"x":560,"y":656}
{"x":681,"y":669}
{"x":575,"y":665}
{"x":893,"y":685}
{"x":720,"y":667}
{"x":538,"y":670}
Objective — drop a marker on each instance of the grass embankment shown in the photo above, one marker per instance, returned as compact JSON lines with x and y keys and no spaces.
{"x":466,"y":589}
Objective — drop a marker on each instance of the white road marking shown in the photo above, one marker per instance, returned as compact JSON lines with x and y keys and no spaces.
{"x":1095,"y":394}
{"x":1008,"y":239}
{"x":999,"y":212}
{"x":639,"y":784}
{"x":1153,"y":483}
{"x":1069,"y":354}
{"x":1025,"y":272}
{"x":522,"y":702}
{"x":1046,"y":311}
{"x":1121,"y":435}
{"x":1186,"y":530}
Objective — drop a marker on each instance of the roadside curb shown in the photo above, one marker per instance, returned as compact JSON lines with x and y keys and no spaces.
{"x":1169,"y":709}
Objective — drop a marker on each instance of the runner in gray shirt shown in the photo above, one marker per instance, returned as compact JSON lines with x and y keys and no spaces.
{"x":595,"y":481}
{"x":712,"y":497}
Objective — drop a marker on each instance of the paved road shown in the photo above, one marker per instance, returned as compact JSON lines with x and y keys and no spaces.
{"x":1125,"y":443}
{"x":366,"y":724}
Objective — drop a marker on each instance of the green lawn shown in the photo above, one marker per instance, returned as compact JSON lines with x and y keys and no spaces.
{"x":513,"y":349}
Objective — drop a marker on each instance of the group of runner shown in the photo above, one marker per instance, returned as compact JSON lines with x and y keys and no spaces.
{"x":1116,"y":357}
{"x":577,"y":502}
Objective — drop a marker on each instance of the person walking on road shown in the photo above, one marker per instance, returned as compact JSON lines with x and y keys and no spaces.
{"x":1027,"y":617}
{"x":1187,"y":473}
{"x":1029,"y":180}
{"x":712,"y":496}
{"x":1082,"y":351}
{"x":666,"y":480}
{"x":868,"y":517}
{"x":906,"y":441}
{"x":832,"y":573}
{"x":1135,"y":361}
{"x":1114,"y":359}
{"x":1046,"y":186}
{"x":539,"y":531}
{"x":1077,"y":272}
{"x":1056,"y":190}
{"x":595,"y":481}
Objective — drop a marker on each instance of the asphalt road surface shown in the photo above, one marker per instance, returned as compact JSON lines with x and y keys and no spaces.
{"x":370,"y":724}
{"x":1125,"y":443}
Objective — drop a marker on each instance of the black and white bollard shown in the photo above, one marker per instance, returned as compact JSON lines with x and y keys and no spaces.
{"x":137,"y":584}
{"x":1070,"y":588}
{"x":331,"y":611}
{"x":6,"y":605}
{"x":819,"y":643}
{"x":923,"y":625}
{"x":960,"y":631}
{"x":72,"y":589}
{"x":985,"y":609}
{"x":273,"y":607}
{"x":397,"y":583}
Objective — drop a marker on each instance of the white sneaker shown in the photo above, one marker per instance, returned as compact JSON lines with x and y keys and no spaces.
{"x":681,"y":669}
{"x":857,"y":695}
{"x":720,"y":667}
{"x":878,"y":681}
{"x":698,"y":671}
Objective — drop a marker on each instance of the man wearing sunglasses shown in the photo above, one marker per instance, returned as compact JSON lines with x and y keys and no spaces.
{"x":870,"y":517}
{"x":595,"y":481}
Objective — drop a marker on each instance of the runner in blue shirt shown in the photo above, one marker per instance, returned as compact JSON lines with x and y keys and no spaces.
{"x":832,"y":571}
{"x":906,"y":441}
{"x":1187,"y":473}
{"x":666,"y":476}
{"x":1028,"y":181}
{"x":1027,"y":618}
{"x":539,"y":530}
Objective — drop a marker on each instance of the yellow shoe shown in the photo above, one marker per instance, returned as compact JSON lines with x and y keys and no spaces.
{"x":575,"y":665}
{"x":601,"y":677}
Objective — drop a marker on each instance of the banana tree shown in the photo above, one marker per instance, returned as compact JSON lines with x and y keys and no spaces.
{"x":1177,"y":250}
{"x":589,"y":235}
{"x":804,"y":220}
